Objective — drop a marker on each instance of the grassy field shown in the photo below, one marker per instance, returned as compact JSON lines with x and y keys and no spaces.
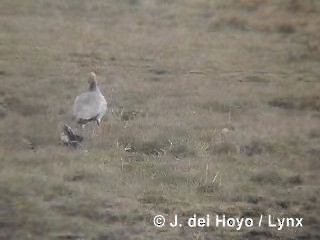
{"x":215,"y":110}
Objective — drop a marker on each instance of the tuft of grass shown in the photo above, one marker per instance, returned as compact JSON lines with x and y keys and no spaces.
{"x":256,"y":147}
{"x":298,"y":103}
{"x":286,"y":28}
{"x":267,"y":177}
{"x":295,"y":179}
{"x":223,"y":148}
{"x":208,"y":189}
{"x":152,"y":147}
{"x":153,"y":197}
{"x":217,"y":106}
{"x":274,"y":177}
{"x":24,"y":107}
{"x":182,"y":150}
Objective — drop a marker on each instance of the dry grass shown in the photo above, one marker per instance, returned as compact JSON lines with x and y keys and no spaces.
{"x":175,"y":74}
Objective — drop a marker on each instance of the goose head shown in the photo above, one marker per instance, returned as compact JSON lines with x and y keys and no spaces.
{"x":92,"y":81}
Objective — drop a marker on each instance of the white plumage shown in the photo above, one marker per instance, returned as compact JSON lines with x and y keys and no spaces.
{"x":90,"y":105}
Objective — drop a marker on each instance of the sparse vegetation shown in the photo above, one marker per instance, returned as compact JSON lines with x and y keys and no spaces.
{"x":214,"y":109}
{"x":299,"y":103}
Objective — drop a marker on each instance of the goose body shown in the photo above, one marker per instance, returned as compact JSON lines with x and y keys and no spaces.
{"x":90,"y":105}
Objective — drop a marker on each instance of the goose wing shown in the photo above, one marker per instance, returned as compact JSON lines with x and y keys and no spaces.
{"x":103,"y":106}
{"x":89,"y":105}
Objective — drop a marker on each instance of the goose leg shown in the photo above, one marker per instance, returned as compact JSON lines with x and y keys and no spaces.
{"x":82,"y":129}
